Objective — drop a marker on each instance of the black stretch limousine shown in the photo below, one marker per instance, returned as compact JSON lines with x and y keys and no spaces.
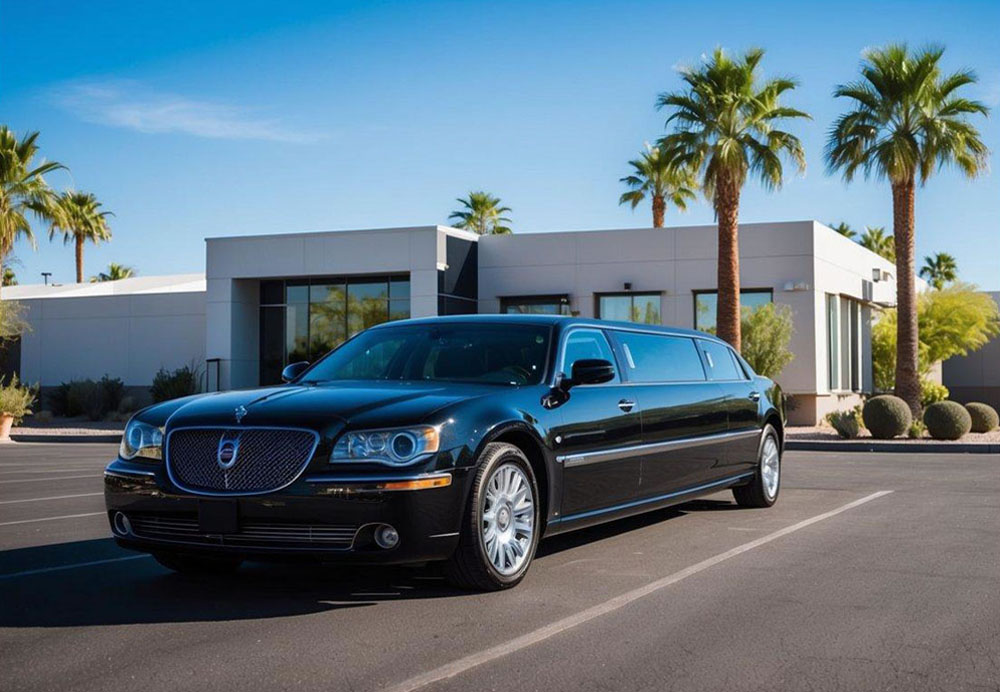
{"x":462,"y":439}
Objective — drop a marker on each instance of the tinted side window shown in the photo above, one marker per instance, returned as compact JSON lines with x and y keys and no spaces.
{"x":654,"y":358}
{"x":721,"y":362}
{"x":585,"y":343}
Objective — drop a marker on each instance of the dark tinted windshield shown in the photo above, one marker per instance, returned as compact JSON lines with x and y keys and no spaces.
{"x":484,"y":353}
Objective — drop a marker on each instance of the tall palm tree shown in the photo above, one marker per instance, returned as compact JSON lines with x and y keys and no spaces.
{"x":115,"y":272}
{"x":654,"y":175}
{"x":22,"y":187}
{"x":78,"y":216}
{"x":726,"y":127}
{"x":482,"y":214}
{"x":875,"y":239}
{"x":906,"y":120}
{"x":844,"y":229}
{"x":939,"y":269}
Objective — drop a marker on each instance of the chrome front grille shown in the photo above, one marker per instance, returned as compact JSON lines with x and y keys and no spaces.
{"x":179,"y":529}
{"x":238,"y":461}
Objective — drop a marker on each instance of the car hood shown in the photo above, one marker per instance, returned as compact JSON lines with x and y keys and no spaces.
{"x":361,"y":404}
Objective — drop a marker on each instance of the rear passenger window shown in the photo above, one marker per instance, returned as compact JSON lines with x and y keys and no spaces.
{"x":721,"y":362}
{"x":655,"y":358}
{"x":583,"y":344}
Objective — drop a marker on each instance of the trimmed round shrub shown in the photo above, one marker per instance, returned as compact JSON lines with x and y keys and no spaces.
{"x":984,"y":417}
{"x":886,"y":416}
{"x":947,"y":420}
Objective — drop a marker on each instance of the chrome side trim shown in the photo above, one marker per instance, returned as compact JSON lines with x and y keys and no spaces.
{"x":659,"y":498}
{"x":597,"y":457}
{"x":126,"y":473}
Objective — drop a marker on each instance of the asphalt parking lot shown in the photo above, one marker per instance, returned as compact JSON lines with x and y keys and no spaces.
{"x":841,"y":586}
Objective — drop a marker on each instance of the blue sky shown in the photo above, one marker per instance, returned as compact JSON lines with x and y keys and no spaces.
{"x":194,"y":119}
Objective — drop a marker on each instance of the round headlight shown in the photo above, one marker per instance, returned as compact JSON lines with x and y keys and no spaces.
{"x":404,"y":444}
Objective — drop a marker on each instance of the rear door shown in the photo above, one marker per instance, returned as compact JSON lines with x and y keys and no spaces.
{"x":683,"y":414}
{"x":742,"y":404}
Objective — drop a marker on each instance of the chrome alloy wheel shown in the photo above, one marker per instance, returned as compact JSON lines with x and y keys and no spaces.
{"x":508,"y":519}
{"x":770,"y":466}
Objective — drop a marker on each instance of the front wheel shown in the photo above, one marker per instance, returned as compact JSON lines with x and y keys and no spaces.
{"x":762,"y":491}
{"x":501,"y":527}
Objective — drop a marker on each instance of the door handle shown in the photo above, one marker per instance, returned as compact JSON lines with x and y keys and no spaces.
{"x":753,"y":396}
{"x":626,"y":405}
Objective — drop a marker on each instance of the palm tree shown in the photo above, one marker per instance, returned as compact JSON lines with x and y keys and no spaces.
{"x":78,"y":216}
{"x":725,"y":127}
{"x":9,"y":278}
{"x":906,"y":121}
{"x":482,"y":214}
{"x":22,"y":187}
{"x":115,"y":272}
{"x":939,"y":269}
{"x":875,"y":239}
{"x":844,"y":229}
{"x":655,"y":176}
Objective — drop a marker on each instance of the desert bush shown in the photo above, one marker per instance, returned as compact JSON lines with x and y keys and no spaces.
{"x":44,"y":417}
{"x":947,"y":420}
{"x":984,"y":417}
{"x":886,"y":416}
{"x":128,"y":404}
{"x":846,"y":423}
{"x":16,"y":399}
{"x":917,"y":430}
{"x":168,"y":385}
{"x":932,"y":392}
{"x":114,"y":392}
{"x":87,"y":398}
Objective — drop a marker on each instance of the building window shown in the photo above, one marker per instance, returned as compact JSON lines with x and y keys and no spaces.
{"x":643,"y":308}
{"x":302,"y":319}
{"x":843,"y":343}
{"x":535,"y":305}
{"x":832,"y":342}
{"x":706,"y":305}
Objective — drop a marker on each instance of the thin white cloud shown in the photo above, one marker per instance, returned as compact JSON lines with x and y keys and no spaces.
{"x":133,"y":106}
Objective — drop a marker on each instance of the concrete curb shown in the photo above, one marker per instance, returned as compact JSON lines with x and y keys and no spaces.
{"x":28,"y":437}
{"x":890,"y":446}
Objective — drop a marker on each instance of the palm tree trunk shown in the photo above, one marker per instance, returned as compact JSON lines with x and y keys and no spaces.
{"x":727,"y":209}
{"x":659,"y":206}
{"x":907,"y":374}
{"x":79,"y":259}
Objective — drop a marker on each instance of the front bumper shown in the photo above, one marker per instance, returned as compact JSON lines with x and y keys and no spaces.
{"x":321,"y":516}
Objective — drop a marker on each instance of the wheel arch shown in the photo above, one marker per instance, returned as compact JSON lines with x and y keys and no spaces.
{"x":525,"y":438}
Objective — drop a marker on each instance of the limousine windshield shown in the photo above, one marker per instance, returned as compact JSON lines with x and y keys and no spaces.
{"x":509,"y":354}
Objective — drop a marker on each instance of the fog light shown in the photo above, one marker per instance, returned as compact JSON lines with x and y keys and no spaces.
{"x":121,"y":524}
{"x":386,"y":536}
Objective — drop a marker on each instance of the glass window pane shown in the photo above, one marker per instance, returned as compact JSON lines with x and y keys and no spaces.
{"x":705,"y":307}
{"x":272,"y":292}
{"x":615,"y":308}
{"x":399,"y":288}
{"x":367,"y":305}
{"x":272,"y":344}
{"x":585,"y":344}
{"x":721,"y":365}
{"x":654,"y":358}
{"x":646,"y":309}
{"x":297,"y":333}
{"x":297,"y":292}
{"x":399,"y":309}
{"x":832,"y":342}
{"x":754,"y":299}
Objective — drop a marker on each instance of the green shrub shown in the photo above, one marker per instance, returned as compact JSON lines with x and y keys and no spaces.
{"x":173,"y":385}
{"x":947,"y":420}
{"x":114,"y":391}
{"x":846,"y":423}
{"x":16,"y":399}
{"x":917,"y":430}
{"x":57,"y":400}
{"x":932,"y":392}
{"x":767,"y":331}
{"x":87,"y":398}
{"x":886,"y":416}
{"x":984,"y":417}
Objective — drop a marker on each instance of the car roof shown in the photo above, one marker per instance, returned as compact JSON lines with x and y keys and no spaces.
{"x":561,"y":321}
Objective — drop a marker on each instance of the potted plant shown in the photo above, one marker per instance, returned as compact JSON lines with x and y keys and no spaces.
{"x":16,"y":401}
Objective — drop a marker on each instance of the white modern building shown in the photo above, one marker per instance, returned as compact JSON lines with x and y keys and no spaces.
{"x":269,"y":300}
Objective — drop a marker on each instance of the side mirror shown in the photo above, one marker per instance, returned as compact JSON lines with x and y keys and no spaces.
{"x":293,"y":370}
{"x":591,"y":371}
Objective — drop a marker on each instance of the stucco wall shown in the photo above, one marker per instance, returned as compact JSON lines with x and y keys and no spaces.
{"x":975,"y":377}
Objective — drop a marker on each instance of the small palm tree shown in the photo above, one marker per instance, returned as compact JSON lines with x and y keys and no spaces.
{"x":939,"y":270}
{"x":875,"y":239}
{"x":844,"y":229}
{"x":906,"y":120}
{"x":23,"y":189}
{"x":656,"y":177}
{"x":482,"y":214}
{"x":726,"y":127}
{"x":115,"y":272}
{"x":78,"y":216}
{"x":9,"y":278}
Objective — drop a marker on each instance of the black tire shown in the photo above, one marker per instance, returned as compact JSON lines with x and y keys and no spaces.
{"x":755,"y":494}
{"x":198,"y":564}
{"x":470,"y":567}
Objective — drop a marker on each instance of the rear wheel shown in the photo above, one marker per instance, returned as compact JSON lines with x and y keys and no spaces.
{"x":198,"y":564}
{"x":762,"y":491}
{"x":501,"y":526}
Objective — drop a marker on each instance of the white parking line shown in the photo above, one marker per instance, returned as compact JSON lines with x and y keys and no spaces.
{"x":44,"y":471}
{"x":75,"y":565}
{"x":65,"y":516}
{"x":59,"y":478}
{"x":43,"y":499}
{"x":454,"y":668}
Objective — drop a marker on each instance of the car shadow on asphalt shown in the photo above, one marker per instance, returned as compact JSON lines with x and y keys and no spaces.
{"x":140,"y":591}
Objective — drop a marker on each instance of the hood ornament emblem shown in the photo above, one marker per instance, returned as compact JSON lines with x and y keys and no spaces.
{"x":229,"y":446}
{"x":240,"y":412}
